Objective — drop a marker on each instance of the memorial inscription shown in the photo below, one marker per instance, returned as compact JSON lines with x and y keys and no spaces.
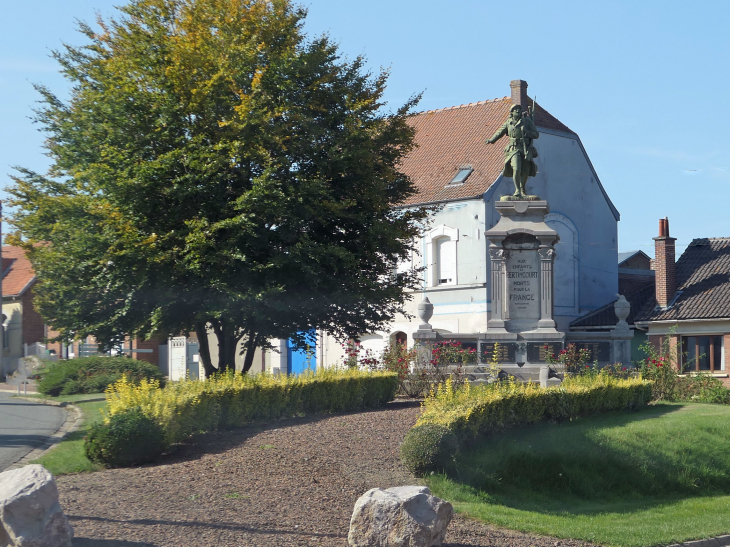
{"x":539,"y":352}
{"x":523,"y":284}
{"x":505,"y":352}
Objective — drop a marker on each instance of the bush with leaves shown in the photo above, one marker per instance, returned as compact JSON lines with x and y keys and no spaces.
{"x":125,"y":439}
{"x":93,"y":374}
{"x":429,"y":448}
{"x":702,"y":388}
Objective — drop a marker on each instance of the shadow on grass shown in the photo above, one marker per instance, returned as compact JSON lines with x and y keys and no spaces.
{"x":614,"y":462}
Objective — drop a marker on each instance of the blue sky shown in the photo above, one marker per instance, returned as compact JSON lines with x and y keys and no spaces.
{"x":644,"y":84}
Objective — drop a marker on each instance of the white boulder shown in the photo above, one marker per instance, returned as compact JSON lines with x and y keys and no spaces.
{"x":406,"y":516}
{"x":30,"y":515}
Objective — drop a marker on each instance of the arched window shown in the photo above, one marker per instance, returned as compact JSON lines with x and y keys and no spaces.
{"x":401,"y":338}
{"x":441,"y":245}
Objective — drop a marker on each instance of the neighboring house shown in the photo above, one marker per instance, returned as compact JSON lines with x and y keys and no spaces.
{"x":22,"y":324}
{"x":636,"y":283}
{"x":25,"y":332}
{"x":453,"y":166}
{"x":691,"y":302}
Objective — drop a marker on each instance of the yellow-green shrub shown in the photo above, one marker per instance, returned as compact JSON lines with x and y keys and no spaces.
{"x":473,"y":411}
{"x":233,"y":400}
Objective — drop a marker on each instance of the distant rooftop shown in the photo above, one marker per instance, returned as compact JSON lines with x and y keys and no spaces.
{"x":703,"y":284}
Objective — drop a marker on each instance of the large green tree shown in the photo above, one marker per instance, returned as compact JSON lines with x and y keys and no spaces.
{"x":214,"y":169}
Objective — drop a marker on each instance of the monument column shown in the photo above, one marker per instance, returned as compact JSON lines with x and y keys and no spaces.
{"x":498,"y":257}
{"x":547,"y":259}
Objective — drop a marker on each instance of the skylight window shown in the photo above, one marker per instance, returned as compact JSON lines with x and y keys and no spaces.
{"x":461,"y":175}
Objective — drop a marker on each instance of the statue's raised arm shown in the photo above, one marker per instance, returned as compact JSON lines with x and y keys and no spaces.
{"x":520,"y":154}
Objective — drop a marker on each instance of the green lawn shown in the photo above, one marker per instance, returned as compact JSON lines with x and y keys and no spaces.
{"x":658,"y":476}
{"x":68,"y":455}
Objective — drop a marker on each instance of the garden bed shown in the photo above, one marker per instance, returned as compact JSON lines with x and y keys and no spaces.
{"x":293,"y":482}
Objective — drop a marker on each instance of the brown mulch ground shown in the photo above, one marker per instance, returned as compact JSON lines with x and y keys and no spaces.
{"x":290,"y":483}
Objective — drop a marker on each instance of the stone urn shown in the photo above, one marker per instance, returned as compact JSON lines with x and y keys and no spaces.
{"x":622,"y":308}
{"x":425,"y":312}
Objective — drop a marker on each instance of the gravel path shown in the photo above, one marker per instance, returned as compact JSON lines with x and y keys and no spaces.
{"x":292,"y":483}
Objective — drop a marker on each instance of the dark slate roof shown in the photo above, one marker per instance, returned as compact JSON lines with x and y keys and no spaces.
{"x":454,"y":137}
{"x":623,"y":257}
{"x":703,"y":277}
{"x":606,"y":316}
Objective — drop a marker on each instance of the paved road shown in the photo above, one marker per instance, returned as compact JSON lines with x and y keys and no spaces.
{"x":24,"y":425}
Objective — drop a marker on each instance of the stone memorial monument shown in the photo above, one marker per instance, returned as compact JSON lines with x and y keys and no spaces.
{"x":521,"y":329}
{"x":522,"y":245}
{"x":522,"y":253}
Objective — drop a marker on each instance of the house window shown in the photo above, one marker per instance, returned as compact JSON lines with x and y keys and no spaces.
{"x":445,"y":261}
{"x":401,"y":338}
{"x":440,"y":246}
{"x":405,"y":266}
{"x":6,"y":337}
{"x":703,"y":353}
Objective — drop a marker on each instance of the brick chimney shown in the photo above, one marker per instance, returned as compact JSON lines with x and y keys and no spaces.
{"x":519,"y":93}
{"x":664,"y":265}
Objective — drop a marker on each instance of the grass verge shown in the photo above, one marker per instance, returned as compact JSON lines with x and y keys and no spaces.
{"x":658,"y":476}
{"x":68,"y":455}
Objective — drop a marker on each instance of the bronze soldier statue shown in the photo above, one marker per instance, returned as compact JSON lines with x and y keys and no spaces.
{"x":519,"y":156}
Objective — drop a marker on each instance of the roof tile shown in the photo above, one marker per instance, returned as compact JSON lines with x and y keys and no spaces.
{"x":18,"y":271}
{"x":454,"y":137}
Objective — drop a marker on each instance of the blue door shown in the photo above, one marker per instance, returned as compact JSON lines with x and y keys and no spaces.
{"x":297,"y":361}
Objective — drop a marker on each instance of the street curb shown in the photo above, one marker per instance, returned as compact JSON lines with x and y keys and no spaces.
{"x":74,"y":419}
{"x":719,"y":541}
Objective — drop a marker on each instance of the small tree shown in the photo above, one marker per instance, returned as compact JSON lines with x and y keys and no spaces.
{"x":215,"y":170}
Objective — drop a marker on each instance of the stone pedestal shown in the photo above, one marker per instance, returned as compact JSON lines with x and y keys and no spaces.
{"x":523,"y":254}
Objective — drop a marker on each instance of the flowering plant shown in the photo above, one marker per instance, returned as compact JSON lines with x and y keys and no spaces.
{"x":659,"y":366}
{"x":575,"y":360}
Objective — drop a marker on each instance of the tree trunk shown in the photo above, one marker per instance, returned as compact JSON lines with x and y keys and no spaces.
{"x":219,"y":328}
{"x":251,"y":345}
{"x":228,"y":335}
{"x":201,"y":329}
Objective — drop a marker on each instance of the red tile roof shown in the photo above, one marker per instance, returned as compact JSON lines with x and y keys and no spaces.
{"x":18,"y":271}
{"x":454,"y":137}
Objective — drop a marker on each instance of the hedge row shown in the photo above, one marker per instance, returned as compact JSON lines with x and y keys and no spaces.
{"x":93,"y":374}
{"x":233,"y":400}
{"x":472,"y":412}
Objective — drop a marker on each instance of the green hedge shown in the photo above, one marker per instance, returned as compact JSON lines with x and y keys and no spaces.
{"x":473,"y":412}
{"x":127,"y":438}
{"x":93,"y":374}
{"x":429,"y":448}
{"x":234,"y":400}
